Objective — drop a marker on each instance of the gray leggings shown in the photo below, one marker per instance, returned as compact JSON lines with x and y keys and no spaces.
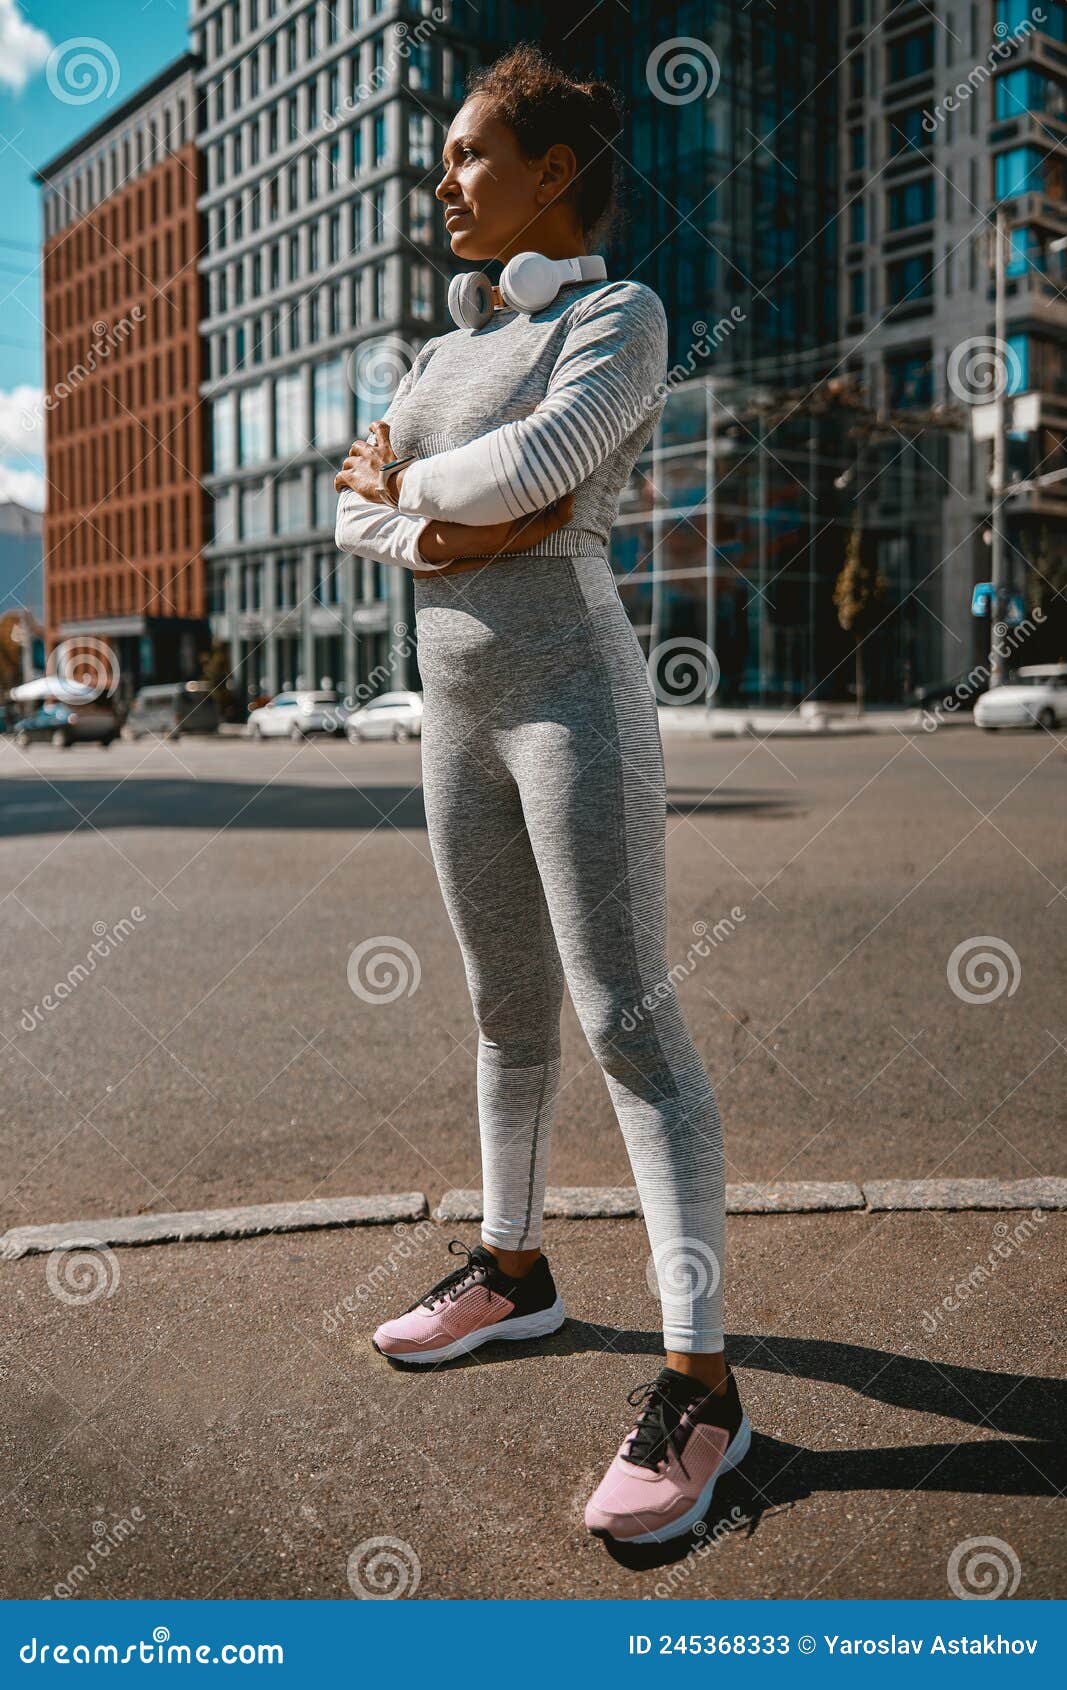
{"x":545,"y":803}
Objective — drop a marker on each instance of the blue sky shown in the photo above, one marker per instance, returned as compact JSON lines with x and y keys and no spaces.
{"x":43,"y":107}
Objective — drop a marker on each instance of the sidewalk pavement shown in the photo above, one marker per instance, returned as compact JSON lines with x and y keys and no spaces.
{"x":807,"y":720}
{"x":213,"y":1415}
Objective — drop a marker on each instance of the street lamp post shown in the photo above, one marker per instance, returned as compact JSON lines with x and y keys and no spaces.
{"x":1000,"y":446}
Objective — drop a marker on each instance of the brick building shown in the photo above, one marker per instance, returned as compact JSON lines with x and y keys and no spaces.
{"x":124,"y":521}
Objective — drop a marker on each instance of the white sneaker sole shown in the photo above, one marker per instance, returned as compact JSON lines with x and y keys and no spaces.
{"x":735,"y":1454}
{"x":537,"y":1325}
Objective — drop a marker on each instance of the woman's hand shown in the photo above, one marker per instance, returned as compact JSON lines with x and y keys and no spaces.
{"x":365,"y":458}
{"x":450,"y":543}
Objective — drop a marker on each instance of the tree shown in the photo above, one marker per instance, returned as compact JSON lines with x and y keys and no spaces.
{"x":10,"y":652}
{"x":215,"y":666}
{"x":858,"y":592}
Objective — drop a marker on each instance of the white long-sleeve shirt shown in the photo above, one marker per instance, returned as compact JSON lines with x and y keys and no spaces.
{"x":506,"y":419}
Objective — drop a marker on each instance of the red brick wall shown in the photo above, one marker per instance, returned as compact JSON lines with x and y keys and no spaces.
{"x":124,"y":522}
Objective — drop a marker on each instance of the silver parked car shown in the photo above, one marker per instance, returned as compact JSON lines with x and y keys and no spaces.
{"x":392,"y":715}
{"x":298,"y":714}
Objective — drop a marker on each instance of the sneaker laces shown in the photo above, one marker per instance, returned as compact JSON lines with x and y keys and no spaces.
{"x":658,"y":1429}
{"x":475,"y":1270}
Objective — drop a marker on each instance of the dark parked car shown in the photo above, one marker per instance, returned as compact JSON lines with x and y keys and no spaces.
{"x":952,"y":697}
{"x":68,"y":724}
{"x":181,"y":707}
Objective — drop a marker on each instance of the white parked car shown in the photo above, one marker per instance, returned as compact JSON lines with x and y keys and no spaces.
{"x":1035,"y":697}
{"x":297,"y":714}
{"x":392,"y":715}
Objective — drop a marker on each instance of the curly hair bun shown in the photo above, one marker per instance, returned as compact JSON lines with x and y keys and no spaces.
{"x":543,"y":105}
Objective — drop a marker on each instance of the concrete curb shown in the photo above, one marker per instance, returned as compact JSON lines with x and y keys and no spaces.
{"x":216,"y":1223}
{"x":580,"y":1202}
{"x":795,"y":1198}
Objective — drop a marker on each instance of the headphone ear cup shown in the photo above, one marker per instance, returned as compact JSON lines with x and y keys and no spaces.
{"x":529,"y":282}
{"x":470,"y":299}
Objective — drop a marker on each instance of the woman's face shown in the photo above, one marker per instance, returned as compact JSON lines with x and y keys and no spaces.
{"x":493,"y":196}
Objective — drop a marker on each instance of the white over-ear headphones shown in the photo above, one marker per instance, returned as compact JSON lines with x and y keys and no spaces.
{"x":528,"y":282}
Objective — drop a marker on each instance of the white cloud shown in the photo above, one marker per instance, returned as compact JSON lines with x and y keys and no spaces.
{"x":25,"y":486}
{"x":21,"y":421}
{"x":23,"y":47}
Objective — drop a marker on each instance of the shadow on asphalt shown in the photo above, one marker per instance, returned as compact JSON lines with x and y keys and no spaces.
{"x":776,"y":1474}
{"x":31,"y":805}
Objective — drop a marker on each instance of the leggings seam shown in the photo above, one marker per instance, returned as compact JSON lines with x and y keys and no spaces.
{"x":620,"y":838}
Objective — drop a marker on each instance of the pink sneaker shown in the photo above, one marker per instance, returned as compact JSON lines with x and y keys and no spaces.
{"x":661,"y":1481}
{"x":474,"y":1305}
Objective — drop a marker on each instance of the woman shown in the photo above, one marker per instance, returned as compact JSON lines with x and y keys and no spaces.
{"x":495,"y":476}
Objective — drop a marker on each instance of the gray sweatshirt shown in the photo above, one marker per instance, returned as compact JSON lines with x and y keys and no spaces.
{"x":507,"y":418}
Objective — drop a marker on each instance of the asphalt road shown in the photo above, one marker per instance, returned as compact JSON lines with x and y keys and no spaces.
{"x":213,"y":1418}
{"x":214,"y":1051}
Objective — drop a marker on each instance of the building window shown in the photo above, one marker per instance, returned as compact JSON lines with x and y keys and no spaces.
{"x":334,"y":236}
{"x":253,"y":425}
{"x":909,"y":379}
{"x":357,"y":148}
{"x":222,"y":435}
{"x":335,"y":164}
{"x":420,"y":215}
{"x":291,"y":513}
{"x":857,"y":292}
{"x":377,"y":214}
{"x":421,"y":291}
{"x":857,"y":149}
{"x":911,"y":54}
{"x":330,"y":406}
{"x":910,"y":279}
{"x":290,"y":413}
{"x":857,"y":222}
{"x":381,"y":147}
{"x":255,"y":512}
{"x":1020,"y":171}
{"x":911,"y":203}
{"x":1020,"y":13}
{"x":420,"y":141}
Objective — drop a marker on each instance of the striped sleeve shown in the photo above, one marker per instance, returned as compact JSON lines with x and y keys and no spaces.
{"x":607,"y":381}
